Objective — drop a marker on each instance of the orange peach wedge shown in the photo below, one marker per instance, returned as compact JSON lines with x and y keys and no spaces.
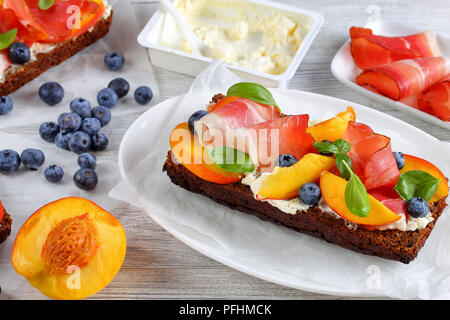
{"x":284,"y":182}
{"x":334,"y":128}
{"x":414,"y":163}
{"x":333,"y":192}
{"x":190,"y":153}
{"x":69,"y":249}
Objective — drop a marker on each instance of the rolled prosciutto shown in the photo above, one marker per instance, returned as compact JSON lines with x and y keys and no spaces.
{"x":401,"y":79}
{"x":436,"y":99}
{"x":370,"y":51}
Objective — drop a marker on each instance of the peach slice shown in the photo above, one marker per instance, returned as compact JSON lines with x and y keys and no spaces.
{"x":189,"y":152}
{"x":284,"y":182}
{"x":333,"y":192}
{"x":334,"y":128}
{"x":69,"y":249}
{"x":415,"y":163}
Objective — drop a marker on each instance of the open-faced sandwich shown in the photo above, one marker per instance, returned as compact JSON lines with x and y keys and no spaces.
{"x":409,"y":69}
{"x":5,"y":224}
{"x":37,"y":35}
{"x":336,"y":180}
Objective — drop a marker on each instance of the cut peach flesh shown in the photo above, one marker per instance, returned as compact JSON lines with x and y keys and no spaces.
{"x":334,"y":128}
{"x":190,"y":153}
{"x":284,"y":182}
{"x":333,"y":192}
{"x":415,"y":163}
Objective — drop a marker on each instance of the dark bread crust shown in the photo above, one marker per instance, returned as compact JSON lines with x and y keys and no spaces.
{"x":5,"y":227}
{"x":15,"y":79}
{"x":396,"y":245}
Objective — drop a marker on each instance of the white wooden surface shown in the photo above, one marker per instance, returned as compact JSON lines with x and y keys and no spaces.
{"x":158,"y":266}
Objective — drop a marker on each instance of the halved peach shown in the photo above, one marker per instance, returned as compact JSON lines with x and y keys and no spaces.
{"x":284,"y":182}
{"x":415,"y":163}
{"x":334,"y":128}
{"x":190,"y":153}
{"x":69,"y":249}
{"x":333,"y":192}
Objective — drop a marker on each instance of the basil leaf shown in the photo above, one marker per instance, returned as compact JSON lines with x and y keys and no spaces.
{"x":342,"y":158}
{"x":325,"y":147}
{"x":342,"y":146}
{"x":252,"y":91}
{"x":231,"y":160}
{"x":46,"y":4}
{"x":356,"y":197}
{"x":7,"y":38}
{"x":416,"y":183}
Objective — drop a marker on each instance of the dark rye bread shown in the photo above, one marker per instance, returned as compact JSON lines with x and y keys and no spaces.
{"x":5,"y":227}
{"x":396,"y":245}
{"x":15,"y":79}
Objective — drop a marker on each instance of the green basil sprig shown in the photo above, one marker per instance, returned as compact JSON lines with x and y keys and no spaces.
{"x":356,"y":197}
{"x":7,"y":38}
{"x":231,"y":160}
{"x":416,"y":183}
{"x":252,"y":91}
{"x":46,"y":4}
{"x":339,"y":148}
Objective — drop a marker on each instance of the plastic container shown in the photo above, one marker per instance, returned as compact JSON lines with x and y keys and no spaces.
{"x":190,"y":64}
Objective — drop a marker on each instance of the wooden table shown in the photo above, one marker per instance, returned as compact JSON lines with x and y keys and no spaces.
{"x":158,"y":266}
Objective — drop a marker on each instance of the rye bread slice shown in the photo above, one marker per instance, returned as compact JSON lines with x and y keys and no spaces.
{"x":5,"y":227}
{"x":18,"y":77}
{"x":395,"y":245}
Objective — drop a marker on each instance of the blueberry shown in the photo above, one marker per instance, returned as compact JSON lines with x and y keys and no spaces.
{"x":85,"y":179}
{"x":309,"y":193}
{"x":62,"y":140}
{"x":107,"y":97}
{"x":399,"y":159}
{"x":48,"y":131}
{"x":197,"y":115}
{"x":143,"y":95}
{"x":53,"y":173}
{"x":6,"y":105}
{"x":19,"y":53}
{"x":286,"y":160}
{"x":81,"y":106}
{"x":99,"y":141}
{"x":80,"y":142}
{"x":9,"y":161}
{"x":102,"y":114}
{"x":90,"y":126}
{"x":69,"y":122}
{"x":417,"y":207}
{"x":114,"y":60}
{"x":87,"y":161}
{"x":51,"y":93}
{"x":32,"y":158}
{"x":120,"y":86}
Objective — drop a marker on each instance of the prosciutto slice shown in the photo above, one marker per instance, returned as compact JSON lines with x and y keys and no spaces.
{"x":372,"y":157}
{"x":213,"y":128}
{"x":404,"y":78}
{"x":436,"y":100}
{"x":370,"y":51}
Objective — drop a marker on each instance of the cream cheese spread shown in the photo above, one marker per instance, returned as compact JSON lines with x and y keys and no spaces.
{"x":292,"y":206}
{"x":242,"y":33}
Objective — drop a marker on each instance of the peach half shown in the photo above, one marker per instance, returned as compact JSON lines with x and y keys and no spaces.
{"x":69,"y":249}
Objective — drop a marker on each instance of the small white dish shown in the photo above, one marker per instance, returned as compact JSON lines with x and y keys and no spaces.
{"x":345,"y":70}
{"x":191,"y":64}
{"x":264,"y":249}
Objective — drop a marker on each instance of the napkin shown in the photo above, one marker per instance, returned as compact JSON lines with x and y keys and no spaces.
{"x":83,"y":75}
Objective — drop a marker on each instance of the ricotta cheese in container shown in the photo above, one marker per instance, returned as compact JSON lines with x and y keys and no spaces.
{"x":261,"y":41}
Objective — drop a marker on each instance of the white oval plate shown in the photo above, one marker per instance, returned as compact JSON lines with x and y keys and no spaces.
{"x":263,"y":249}
{"x":345,"y":70}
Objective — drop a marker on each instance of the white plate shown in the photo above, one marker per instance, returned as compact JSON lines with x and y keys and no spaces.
{"x":345,"y":70}
{"x":263,"y":249}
